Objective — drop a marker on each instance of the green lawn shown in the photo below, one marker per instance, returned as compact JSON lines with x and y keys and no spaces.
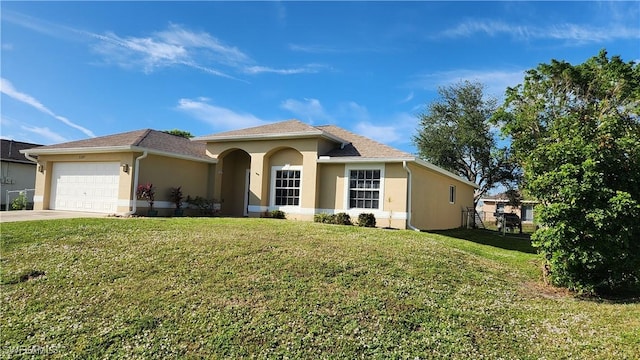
{"x":264,"y":288}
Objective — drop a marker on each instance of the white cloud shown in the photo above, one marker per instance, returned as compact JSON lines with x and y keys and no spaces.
{"x":396,"y":129}
{"x":220,"y":118}
{"x":310,"y":110}
{"x":7,"y":88}
{"x":353,"y":111}
{"x":174,"y":46}
{"x":45,"y":133}
{"x":7,"y":46}
{"x":577,"y":34}
{"x":307,"y":69}
{"x":383,"y":133}
{"x":495,"y":81}
{"x":408,"y":98}
{"x":178,"y":46}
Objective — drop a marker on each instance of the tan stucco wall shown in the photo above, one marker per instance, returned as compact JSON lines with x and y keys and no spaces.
{"x":16,"y":176}
{"x":43,"y":180}
{"x":164,"y":173}
{"x":431,"y":209}
{"x":330,"y":186}
{"x":265,"y":154}
{"x":395,"y":195}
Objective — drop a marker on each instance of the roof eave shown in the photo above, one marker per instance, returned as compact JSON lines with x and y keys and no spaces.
{"x":77,"y":150}
{"x":174,"y":155}
{"x":114,"y":149}
{"x":357,"y":159}
{"x":276,"y":136}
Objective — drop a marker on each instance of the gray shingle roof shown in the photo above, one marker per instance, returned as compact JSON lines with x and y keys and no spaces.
{"x":10,"y":151}
{"x":282,"y":127}
{"x":145,"y":139}
{"x":361,"y":146}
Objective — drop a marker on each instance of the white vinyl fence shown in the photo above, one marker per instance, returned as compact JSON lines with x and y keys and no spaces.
{"x":12,"y":195}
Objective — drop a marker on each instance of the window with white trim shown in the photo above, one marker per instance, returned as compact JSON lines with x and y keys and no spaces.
{"x":286,"y":186}
{"x":364,"y":188}
{"x":452,"y":194}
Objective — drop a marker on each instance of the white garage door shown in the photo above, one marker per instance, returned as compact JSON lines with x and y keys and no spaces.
{"x":85,"y":186}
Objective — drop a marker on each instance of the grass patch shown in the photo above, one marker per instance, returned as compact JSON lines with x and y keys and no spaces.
{"x":229,"y":288}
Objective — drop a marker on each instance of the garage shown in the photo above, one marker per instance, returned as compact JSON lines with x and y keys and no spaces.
{"x":85,"y":186}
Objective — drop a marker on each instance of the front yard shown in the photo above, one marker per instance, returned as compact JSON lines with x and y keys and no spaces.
{"x":264,"y":288}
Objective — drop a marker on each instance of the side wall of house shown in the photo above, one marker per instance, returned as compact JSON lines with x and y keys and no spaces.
{"x":16,"y":177}
{"x":431,"y":208}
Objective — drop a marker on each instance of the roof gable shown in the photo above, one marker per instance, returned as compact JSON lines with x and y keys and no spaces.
{"x":280,"y":130}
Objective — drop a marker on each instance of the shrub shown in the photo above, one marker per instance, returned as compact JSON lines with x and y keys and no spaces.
{"x":146,"y":192}
{"x":19,"y":203}
{"x":277,"y":214}
{"x":324,"y":218}
{"x":367,"y":220}
{"x":175,"y":196}
{"x":342,"y":219}
{"x":205,"y":206}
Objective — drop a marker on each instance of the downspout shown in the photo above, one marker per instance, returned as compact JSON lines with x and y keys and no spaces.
{"x":136,"y":174}
{"x":29,"y":157}
{"x":409,"y":181}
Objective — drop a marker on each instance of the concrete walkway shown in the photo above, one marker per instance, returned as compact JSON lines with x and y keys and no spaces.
{"x":28,"y":215}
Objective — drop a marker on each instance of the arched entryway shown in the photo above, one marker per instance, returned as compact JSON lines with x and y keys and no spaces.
{"x":235,"y":183}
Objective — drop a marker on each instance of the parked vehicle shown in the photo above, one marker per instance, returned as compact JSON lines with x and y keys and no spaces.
{"x":511,"y":221}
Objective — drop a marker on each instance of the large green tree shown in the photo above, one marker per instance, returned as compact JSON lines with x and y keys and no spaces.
{"x":181,"y":133}
{"x":575,"y":130}
{"x":455,"y":133}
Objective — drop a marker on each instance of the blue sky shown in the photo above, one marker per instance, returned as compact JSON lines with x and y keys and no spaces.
{"x":74,"y":70}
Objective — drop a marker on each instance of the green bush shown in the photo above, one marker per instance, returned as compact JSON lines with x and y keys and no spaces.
{"x":206,"y":207}
{"x":277,"y":214}
{"x":19,"y":203}
{"x":367,"y":220}
{"x":324,"y":218}
{"x":342,"y":219}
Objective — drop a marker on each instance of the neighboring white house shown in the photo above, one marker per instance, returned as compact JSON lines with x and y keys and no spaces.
{"x":17,"y":172}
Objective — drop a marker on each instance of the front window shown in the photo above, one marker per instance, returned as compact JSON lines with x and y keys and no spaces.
{"x":287,"y":188}
{"x":364,"y":189}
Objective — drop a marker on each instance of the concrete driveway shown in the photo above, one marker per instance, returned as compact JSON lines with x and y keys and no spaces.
{"x":28,"y":215}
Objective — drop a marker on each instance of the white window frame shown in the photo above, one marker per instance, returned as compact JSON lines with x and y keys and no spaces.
{"x":272,"y":202}
{"x":368,"y":166}
{"x":452,"y":194}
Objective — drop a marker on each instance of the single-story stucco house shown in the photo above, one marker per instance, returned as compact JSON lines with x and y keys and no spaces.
{"x":495,"y":204}
{"x":17,"y":172}
{"x":290,"y":166}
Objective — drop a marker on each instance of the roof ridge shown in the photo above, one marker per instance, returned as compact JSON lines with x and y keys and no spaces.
{"x":142,"y":137}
